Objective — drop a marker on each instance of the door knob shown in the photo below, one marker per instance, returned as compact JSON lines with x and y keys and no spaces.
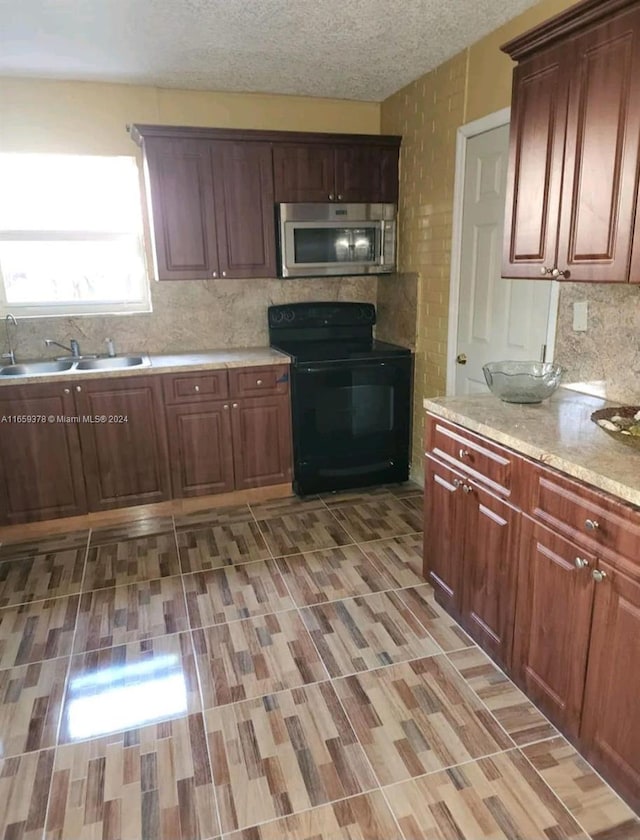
{"x":461,"y":358}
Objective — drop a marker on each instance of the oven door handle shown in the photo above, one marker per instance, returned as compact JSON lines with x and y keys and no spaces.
{"x":342,"y":366}
{"x":382,"y":229}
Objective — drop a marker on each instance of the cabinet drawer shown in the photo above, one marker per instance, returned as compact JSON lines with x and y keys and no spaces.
{"x":470,"y":453}
{"x":195,"y":387}
{"x":256,"y":381}
{"x":591,"y":518}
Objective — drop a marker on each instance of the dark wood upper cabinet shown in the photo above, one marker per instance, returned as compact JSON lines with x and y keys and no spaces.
{"x":610,"y":731}
{"x":180,"y":189}
{"x":41,"y":474}
{"x":304,"y":172}
{"x":354,"y":172}
{"x":243,"y":190}
{"x":535,"y":165}
{"x":574,"y":146}
{"x":125,"y":455}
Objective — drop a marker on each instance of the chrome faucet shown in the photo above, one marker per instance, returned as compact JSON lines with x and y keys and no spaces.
{"x":11,"y":354}
{"x":73,"y":348}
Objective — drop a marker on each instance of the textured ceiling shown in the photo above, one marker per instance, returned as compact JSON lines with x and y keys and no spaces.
{"x":349,"y":49}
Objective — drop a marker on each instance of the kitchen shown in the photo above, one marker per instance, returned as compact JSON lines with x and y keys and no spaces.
{"x":86,"y":118}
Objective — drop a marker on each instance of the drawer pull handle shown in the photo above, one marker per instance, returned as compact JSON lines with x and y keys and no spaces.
{"x":598,"y":576}
{"x":591,"y":524}
{"x":463,"y":453}
{"x":467,"y":488}
{"x":259,"y":382}
{"x":196,"y":387}
{"x":581,"y":563}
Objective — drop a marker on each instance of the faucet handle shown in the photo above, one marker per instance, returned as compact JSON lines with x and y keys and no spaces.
{"x":75,"y":347}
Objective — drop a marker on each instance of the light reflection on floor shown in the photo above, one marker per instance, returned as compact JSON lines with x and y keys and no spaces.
{"x":125,"y":696}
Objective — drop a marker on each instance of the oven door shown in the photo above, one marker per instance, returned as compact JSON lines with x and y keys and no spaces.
{"x":351,"y":423}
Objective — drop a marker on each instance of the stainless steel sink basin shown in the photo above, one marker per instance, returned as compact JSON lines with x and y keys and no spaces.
{"x":112,"y":363}
{"x":35,"y":368}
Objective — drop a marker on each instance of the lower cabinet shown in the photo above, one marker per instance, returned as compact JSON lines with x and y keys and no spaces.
{"x":470,"y":553}
{"x":549,"y":585}
{"x":610,"y":732}
{"x":553,"y":618}
{"x":41,"y":475}
{"x":79,"y":445}
{"x":123,"y":441}
{"x":200,"y":455}
{"x":237,"y":443}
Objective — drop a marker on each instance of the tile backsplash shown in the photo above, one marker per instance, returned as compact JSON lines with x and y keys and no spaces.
{"x":609,"y":350}
{"x":189,"y":315}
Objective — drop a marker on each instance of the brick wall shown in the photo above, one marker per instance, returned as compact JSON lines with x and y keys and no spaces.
{"x":427,"y":113}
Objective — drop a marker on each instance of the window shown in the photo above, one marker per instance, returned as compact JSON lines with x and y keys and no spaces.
{"x":71,"y":235}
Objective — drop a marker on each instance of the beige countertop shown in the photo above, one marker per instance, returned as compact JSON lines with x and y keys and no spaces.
{"x":558,"y":432}
{"x":167,"y":363}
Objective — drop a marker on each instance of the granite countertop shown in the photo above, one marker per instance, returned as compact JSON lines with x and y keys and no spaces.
{"x":167,"y":363}
{"x":558,"y":432}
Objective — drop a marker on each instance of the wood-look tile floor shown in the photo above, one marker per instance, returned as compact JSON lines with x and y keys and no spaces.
{"x":271,"y":670}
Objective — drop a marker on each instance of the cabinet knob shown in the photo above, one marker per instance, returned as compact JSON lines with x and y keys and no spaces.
{"x":339,"y":197}
{"x":214,"y":273}
{"x":457,"y":483}
{"x":196,"y":387}
{"x":591,"y":524}
{"x":67,"y":390}
{"x":467,"y":488}
{"x":226,"y":407}
{"x":224,"y":273}
{"x":235,"y":405}
{"x":544,"y":270}
{"x":463,"y":453}
{"x":581,"y":563}
{"x":258,"y":381}
{"x":331,"y":196}
{"x":598,"y":576}
{"x":559,"y":273}
{"x":78,"y":388}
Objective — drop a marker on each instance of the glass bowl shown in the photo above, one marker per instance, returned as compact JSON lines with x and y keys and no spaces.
{"x":522,"y":382}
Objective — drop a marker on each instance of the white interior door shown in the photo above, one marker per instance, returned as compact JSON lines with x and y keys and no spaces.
{"x":497,"y":319}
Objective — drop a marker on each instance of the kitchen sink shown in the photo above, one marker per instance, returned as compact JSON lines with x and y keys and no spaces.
{"x":113,"y":363}
{"x":35,"y":368}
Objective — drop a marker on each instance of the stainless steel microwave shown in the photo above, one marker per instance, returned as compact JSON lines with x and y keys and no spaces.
{"x":320,"y":240}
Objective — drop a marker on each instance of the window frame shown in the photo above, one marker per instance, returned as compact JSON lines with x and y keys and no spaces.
{"x":72,"y":309}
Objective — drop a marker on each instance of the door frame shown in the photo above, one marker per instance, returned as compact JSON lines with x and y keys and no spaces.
{"x":487,"y":123}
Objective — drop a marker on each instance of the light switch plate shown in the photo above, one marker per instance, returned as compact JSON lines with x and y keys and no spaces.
{"x":580,"y":315}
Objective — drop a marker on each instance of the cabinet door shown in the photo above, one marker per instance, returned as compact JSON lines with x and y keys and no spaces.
{"x":443,"y":536}
{"x":261,"y":441}
{"x":536,"y":148}
{"x":243,"y":186}
{"x":490,"y":569}
{"x":366,"y":174}
{"x":553,"y":616}
{"x":304,"y":172}
{"x":40,"y":466}
{"x":200,"y":448}
{"x":125,"y":456}
{"x":180,"y":184}
{"x":601,"y":156}
{"x":610,"y":733}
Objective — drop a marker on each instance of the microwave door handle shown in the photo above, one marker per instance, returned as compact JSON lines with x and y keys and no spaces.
{"x":382,"y":238}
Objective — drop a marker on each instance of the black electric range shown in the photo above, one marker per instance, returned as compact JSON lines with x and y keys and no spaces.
{"x":350,"y":396}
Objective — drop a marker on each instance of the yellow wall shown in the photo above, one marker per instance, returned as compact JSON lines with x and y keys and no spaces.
{"x":427,"y":113}
{"x":85,"y":117}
